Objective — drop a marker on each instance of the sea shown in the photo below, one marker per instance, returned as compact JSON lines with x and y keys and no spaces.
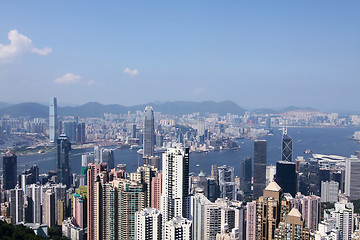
{"x":335,"y":141}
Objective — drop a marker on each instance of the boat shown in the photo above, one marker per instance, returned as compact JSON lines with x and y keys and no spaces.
{"x":197,"y":165}
{"x":308,"y":151}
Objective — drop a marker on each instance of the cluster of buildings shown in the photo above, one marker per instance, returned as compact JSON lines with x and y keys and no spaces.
{"x":293,"y":200}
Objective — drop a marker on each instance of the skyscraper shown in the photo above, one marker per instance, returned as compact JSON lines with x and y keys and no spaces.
{"x":69,"y":128}
{"x":149,"y":132}
{"x":49,"y":208}
{"x":286,"y":147}
{"x":227,"y":182}
{"x":92,"y":209}
{"x":63,"y":160}
{"x":352,"y":178}
{"x":16,"y":205}
{"x":175,"y":183}
{"x":246,"y":175}
{"x":53,"y":120}
{"x":80,"y":133}
{"x":259,"y":167}
{"x":286,"y":176}
{"x":34,"y":202}
{"x":9,"y":170}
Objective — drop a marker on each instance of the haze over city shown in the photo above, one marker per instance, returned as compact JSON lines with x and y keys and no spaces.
{"x":257,"y":54}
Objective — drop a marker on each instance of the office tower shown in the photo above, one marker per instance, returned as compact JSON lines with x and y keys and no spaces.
{"x":34,"y":202}
{"x":310,"y":209}
{"x":268,"y":123}
{"x":286,"y":147}
{"x":178,"y":228}
{"x":149,"y":132}
{"x":303,"y":177}
{"x":81,"y":133}
{"x":270,"y":208}
{"x":16,"y":205}
{"x":9,"y":171}
{"x":92,"y":209}
{"x":212,"y":189}
{"x":97,"y":154}
{"x":63,"y":160}
{"x":69,"y":129}
{"x":53,"y":121}
{"x":159,"y":140}
{"x":329,"y":191}
{"x":227,"y":184}
{"x":133,"y":132}
{"x":107,"y":156}
{"x":344,"y":216}
{"x":286,"y":177}
{"x":214,"y":175}
{"x":314,"y":178}
{"x":251,"y":220}
{"x":291,"y":227}
{"x":246,"y":175}
{"x":270,"y":174}
{"x":49,"y":208}
{"x":352,"y":178}
{"x":156,"y":184}
{"x":175,"y":183}
{"x":259,"y":167}
{"x":148,"y":224}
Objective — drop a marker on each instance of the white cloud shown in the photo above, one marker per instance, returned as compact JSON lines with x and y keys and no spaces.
{"x":19,"y":44}
{"x":134,"y":72}
{"x":91,"y":82}
{"x":68,"y":78}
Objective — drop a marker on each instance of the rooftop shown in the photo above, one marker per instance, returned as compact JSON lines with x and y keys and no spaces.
{"x":273,"y":186}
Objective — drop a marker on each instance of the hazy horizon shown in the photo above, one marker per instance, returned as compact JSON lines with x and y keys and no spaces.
{"x":256,"y":54}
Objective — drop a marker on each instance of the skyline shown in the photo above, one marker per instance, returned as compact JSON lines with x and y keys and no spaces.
{"x":259,"y":55}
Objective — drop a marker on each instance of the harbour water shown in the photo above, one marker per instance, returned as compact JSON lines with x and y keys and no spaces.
{"x":320,"y":140}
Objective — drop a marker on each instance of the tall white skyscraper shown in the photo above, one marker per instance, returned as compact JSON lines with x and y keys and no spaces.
{"x":175,"y":183}
{"x":149,"y":132}
{"x":53,"y":120}
{"x":148,"y":224}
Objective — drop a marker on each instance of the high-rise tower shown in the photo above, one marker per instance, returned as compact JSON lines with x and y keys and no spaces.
{"x":286,"y":147}
{"x":63,"y":160}
{"x":53,"y":120}
{"x":175,"y":183}
{"x":246,"y":175}
{"x":259,"y":167}
{"x":148,"y":139}
{"x":9,"y":171}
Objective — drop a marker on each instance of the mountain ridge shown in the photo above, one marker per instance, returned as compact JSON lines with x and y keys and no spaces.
{"x":95,"y":109}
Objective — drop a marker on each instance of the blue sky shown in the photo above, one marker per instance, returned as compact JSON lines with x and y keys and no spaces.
{"x":257,"y":54}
